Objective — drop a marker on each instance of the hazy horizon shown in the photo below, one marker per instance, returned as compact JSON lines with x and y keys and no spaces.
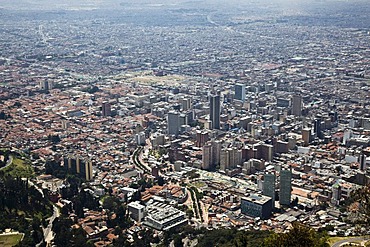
{"x":107,"y":4}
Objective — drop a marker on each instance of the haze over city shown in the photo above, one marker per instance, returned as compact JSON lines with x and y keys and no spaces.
{"x":184,"y":123}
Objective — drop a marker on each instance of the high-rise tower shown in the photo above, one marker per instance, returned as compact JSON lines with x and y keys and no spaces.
{"x":173,"y":123}
{"x":106,"y":109}
{"x":285,"y":186}
{"x":362,"y":162}
{"x":317,"y":128}
{"x":79,"y":166}
{"x":240,"y":92}
{"x":297,"y":105}
{"x":215,"y":111}
{"x":207,"y":156}
{"x":269,"y":186}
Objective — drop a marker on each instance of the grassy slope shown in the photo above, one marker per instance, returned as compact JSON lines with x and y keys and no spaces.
{"x":10,"y":240}
{"x":19,"y":168}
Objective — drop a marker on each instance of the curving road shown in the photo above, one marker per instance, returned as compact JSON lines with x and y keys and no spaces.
{"x":347,"y":241}
{"x":137,"y":159}
{"x":8,"y":162}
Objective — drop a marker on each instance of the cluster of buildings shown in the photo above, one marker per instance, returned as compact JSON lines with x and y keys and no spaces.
{"x":76,"y":165}
{"x":268,"y":132}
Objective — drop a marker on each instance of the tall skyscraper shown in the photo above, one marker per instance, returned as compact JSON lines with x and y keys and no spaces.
{"x":297,"y":105}
{"x":173,"y":123}
{"x":285,"y":186}
{"x":317,"y":128}
{"x":235,"y":157}
{"x":186,"y":104}
{"x":336,"y":193}
{"x":189,"y":117}
{"x":215,"y":111}
{"x":269,"y":186}
{"x":201,"y":138}
{"x":230,"y":158}
{"x":211,"y":155}
{"x":46,"y":85}
{"x":216,"y":150}
{"x":239,"y":92}
{"x":347,"y":135}
{"x":207,"y":156}
{"x":362,"y":162}
{"x":265,"y":151}
{"x":106,"y":109}
{"x":85,"y":169}
{"x":182,"y":119}
{"x":224,"y":160}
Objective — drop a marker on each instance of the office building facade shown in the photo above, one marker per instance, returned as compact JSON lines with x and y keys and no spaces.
{"x":207,"y":156}
{"x":297,"y":105}
{"x":215,"y":111}
{"x":285,"y":186}
{"x":173,"y":123}
{"x":255,"y":205}
{"x":269,"y":187}
{"x":239,"y":92}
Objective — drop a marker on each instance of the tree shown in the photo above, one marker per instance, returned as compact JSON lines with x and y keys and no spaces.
{"x":3,"y":115}
{"x":193,"y":174}
{"x":367,"y":244}
{"x":327,"y":228}
{"x":189,"y":213}
{"x":62,"y":229}
{"x":299,"y":236}
{"x":79,"y":238}
{"x":362,"y":196}
{"x":177,"y":241}
{"x":339,"y":169}
{"x":160,"y":181}
{"x":120,"y":242}
{"x":110,"y":203}
{"x":136,"y":196}
{"x":17,"y":104}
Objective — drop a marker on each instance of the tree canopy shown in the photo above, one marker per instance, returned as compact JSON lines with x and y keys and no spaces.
{"x":362,"y":197}
{"x":299,"y":236}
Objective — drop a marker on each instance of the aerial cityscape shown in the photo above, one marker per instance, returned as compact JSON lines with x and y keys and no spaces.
{"x":184,"y":123}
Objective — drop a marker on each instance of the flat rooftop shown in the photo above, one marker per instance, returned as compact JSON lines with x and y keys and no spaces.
{"x":255,"y":198}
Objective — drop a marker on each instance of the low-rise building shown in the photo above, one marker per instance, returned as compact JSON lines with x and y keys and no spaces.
{"x":136,"y":210}
{"x":164,"y":217}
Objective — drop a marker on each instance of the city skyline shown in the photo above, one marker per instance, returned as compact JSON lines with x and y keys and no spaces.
{"x":121,"y":122}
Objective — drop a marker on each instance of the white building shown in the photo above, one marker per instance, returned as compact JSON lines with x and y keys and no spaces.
{"x":137,"y":211}
{"x":164,"y":217}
